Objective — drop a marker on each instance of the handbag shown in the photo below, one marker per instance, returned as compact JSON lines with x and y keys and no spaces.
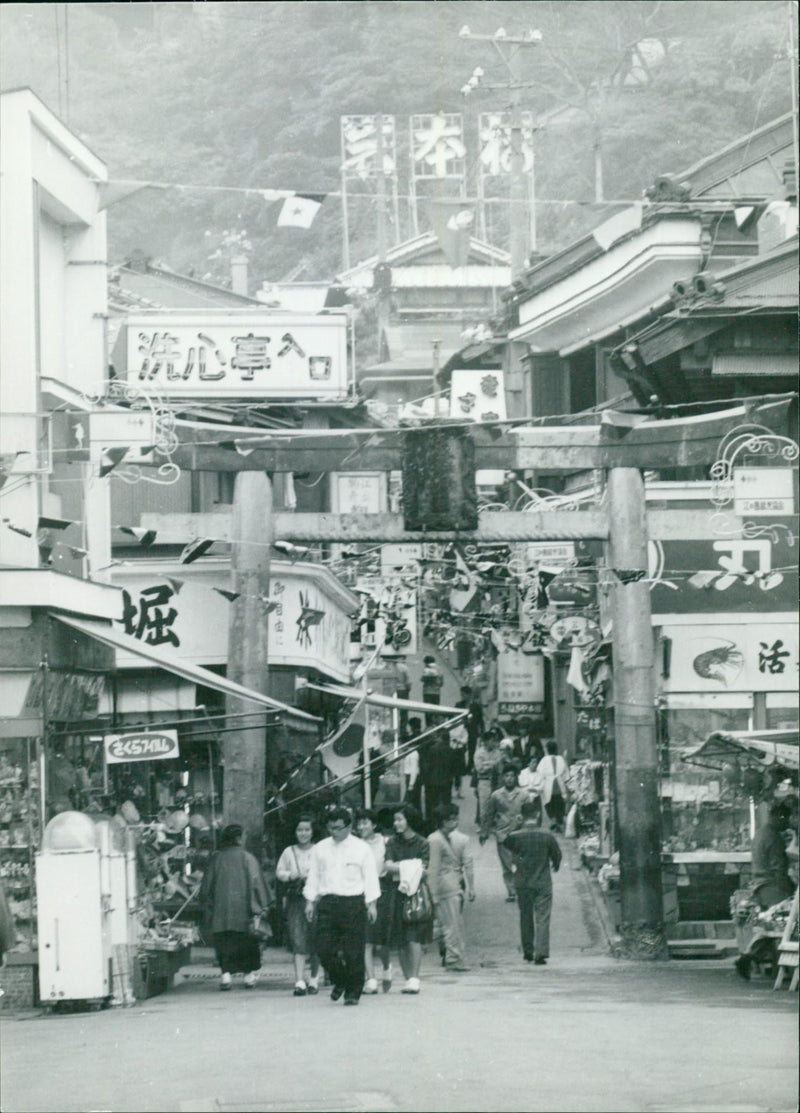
{"x":418,"y":906}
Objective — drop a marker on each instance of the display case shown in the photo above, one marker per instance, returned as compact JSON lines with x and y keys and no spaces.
{"x":20,"y":831}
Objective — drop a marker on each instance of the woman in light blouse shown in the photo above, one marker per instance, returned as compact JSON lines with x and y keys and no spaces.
{"x":292,"y":870}
{"x":377,"y":931}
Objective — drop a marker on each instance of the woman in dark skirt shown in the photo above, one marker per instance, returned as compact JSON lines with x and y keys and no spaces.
{"x":406,"y":844}
{"x":232,"y":894}
{"x":292,"y":869}
{"x":377,"y":933}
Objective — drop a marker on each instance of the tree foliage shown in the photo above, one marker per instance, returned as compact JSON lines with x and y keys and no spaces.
{"x":250,"y":95}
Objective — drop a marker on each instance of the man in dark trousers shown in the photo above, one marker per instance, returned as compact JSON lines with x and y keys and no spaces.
{"x":534,"y":851}
{"x":342,"y":891}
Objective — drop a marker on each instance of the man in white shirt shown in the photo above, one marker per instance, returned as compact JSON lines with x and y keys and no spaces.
{"x":554,"y":772}
{"x":342,"y":890}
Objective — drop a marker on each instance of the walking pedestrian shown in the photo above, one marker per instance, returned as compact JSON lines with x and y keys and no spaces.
{"x":555,"y":785}
{"x":436,"y":772}
{"x":232,"y":896}
{"x":407,"y":852}
{"x":487,"y":763}
{"x":432,"y":680}
{"x":292,"y":869}
{"x":534,"y":853}
{"x":341,"y":894}
{"x":533,"y":783}
{"x":501,"y":816}
{"x":458,"y":747}
{"x":366,"y":826}
{"x":473,"y":721}
{"x":450,"y":879}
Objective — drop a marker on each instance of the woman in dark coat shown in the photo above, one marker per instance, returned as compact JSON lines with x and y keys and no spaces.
{"x":402,"y":846}
{"x":232,"y":895}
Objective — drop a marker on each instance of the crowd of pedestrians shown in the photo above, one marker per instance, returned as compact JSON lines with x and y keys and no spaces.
{"x":390,"y":883}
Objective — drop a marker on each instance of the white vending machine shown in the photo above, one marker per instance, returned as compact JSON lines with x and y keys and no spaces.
{"x":74,"y":911}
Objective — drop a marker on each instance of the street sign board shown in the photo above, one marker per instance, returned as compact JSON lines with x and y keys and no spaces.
{"x":520,"y":683}
{"x":239,"y":354}
{"x":763,"y":492}
{"x":143,"y":745}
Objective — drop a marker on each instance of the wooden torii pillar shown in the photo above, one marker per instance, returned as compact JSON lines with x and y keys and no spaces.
{"x":622,"y":453}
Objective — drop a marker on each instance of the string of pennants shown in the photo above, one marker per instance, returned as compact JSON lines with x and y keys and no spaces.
{"x":702,"y":578}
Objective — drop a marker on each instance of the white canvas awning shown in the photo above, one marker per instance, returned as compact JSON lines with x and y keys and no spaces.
{"x":166,"y":659}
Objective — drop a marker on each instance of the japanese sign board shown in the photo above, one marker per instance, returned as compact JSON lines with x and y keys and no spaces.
{"x":763,"y":492}
{"x":746,"y":657}
{"x":735,"y":574}
{"x":145,"y":745}
{"x":495,"y":141}
{"x":437,"y":145}
{"x":309,"y":623}
{"x":520,"y":683}
{"x":360,"y":146}
{"x":239,"y":354}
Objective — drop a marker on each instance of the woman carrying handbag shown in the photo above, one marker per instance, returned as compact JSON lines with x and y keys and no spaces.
{"x":292,"y":870}
{"x":410,"y":912}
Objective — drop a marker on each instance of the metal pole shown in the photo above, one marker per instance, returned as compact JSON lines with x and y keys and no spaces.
{"x":636,"y":766}
{"x":366,"y":754}
{"x":245,"y":749}
{"x":383,"y":301}
{"x":518,"y":192}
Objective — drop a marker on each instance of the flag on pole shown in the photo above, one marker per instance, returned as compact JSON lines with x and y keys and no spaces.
{"x":299,"y":210}
{"x":452,"y":222}
{"x":342,"y":752}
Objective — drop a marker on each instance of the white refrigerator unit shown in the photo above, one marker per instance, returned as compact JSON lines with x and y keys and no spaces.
{"x":74,"y":920}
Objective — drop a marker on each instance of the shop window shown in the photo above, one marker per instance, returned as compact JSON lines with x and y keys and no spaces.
{"x":783,"y":718}
{"x":20,"y":831}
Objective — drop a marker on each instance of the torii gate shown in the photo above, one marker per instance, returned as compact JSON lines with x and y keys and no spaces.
{"x":621,"y":446}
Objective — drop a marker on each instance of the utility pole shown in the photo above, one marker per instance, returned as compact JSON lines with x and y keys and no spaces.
{"x":636,"y":767}
{"x":244,"y":750}
{"x":383,"y":292}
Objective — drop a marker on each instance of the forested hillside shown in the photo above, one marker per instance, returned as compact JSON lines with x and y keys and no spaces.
{"x":250,"y":95}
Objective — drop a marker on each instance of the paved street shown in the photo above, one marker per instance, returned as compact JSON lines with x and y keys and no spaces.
{"x":585,"y":1032}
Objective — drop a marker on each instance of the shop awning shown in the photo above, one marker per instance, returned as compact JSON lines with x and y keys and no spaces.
{"x":765,"y":747}
{"x":166,"y":659}
{"x":377,"y":700}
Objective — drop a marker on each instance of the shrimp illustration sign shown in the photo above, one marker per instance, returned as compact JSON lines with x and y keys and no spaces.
{"x":238,"y":353}
{"x":731,"y":658}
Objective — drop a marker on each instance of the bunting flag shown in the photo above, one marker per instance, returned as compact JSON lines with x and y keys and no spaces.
{"x":196,"y":549}
{"x":110,"y":458}
{"x":145,"y":537}
{"x":16,"y":529}
{"x":575,"y":676}
{"x":299,"y":210}
{"x":629,"y":575}
{"x":7,"y":460}
{"x":452,"y":222}
{"x":341,"y":753}
{"x":290,"y":550}
{"x":229,"y":595}
{"x":55,"y":523}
